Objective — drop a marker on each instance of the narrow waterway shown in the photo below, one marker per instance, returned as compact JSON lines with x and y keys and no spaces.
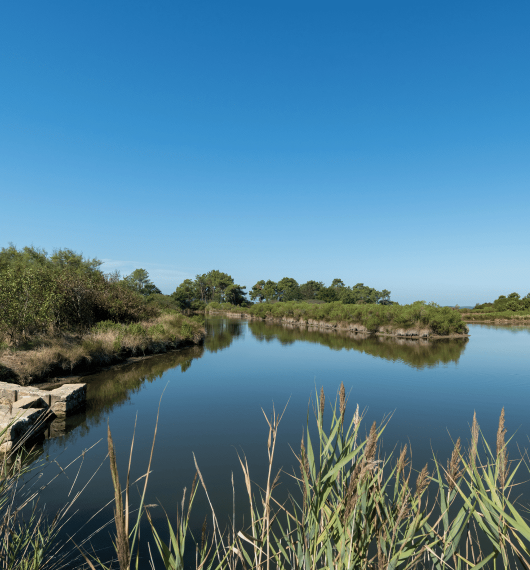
{"x":211,"y":400}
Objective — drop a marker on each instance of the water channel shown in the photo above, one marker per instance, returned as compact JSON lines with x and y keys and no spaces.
{"x":211,"y":400}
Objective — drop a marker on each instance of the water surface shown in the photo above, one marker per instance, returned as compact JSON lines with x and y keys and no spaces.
{"x":211,"y":400}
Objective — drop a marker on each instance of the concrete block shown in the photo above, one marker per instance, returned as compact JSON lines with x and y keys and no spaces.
{"x":25,"y":411}
{"x":29,"y":402}
{"x":68,"y":398}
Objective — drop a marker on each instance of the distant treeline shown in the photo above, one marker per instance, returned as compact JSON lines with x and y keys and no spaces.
{"x":513,"y":302}
{"x":220,"y":287}
{"x":287,"y":289}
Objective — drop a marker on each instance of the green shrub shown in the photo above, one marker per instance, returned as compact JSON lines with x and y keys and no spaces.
{"x":156,"y":330}
{"x":136,"y":329}
{"x":118,"y":343}
{"x":106,"y":326}
{"x":186,"y":330}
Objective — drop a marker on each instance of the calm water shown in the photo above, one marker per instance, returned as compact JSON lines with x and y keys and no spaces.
{"x":212,"y":396}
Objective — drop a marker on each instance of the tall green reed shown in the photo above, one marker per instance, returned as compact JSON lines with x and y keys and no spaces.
{"x":352,"y":507}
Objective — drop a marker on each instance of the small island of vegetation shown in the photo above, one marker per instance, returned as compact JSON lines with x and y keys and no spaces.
{"x":357,"y":308}
{"x":510,"y":308}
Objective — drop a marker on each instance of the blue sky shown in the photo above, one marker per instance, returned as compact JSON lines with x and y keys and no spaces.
{"x":380,"y":142}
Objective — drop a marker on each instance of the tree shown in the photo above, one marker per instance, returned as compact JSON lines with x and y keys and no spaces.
{"x":66,"y":258}
{"x":217,"y":283}
{"x":201,"y":282}
{"x":288,"y":289}
{"x":328,"y":294}
{"x":235,"y":294}
{"x":385,"y":297}
{"x":139,"y":281}
{"x":29,"y":256}
{"x":27,"y":295}
{"x":185,"y":294}
{"x":310,"y":289}
{"x":337,"y":283}
{"x":270,"y":290}
{"x":257,"y":291}
{"x":212,"y":285}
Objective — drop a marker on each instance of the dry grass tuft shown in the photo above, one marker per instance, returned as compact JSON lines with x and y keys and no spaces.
{"x":454,"y":472}
{"x":502,"y":453}
{"x":342,"y":402}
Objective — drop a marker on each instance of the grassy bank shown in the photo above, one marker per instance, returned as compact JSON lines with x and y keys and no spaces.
{"x":492,"y":316}
{"x":44,"y":355}
{"x":419,"y":318}
{"x":351,"y":506}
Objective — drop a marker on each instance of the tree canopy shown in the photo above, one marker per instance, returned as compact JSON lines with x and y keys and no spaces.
{"x":512,"y":302}
{"x":212,"y":286}
{"x":139,"y":281}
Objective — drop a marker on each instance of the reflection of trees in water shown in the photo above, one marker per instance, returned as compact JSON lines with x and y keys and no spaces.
{"x":113,"y":388}
{"x":419,"y":353}
{"x":220,"y":333}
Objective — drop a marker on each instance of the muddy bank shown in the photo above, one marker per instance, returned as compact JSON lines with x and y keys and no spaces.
{"x":385,"y":330}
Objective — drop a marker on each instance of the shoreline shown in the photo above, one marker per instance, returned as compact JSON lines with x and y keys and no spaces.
{"x":523,"y":320}
{"x":79,"y":375}
{"x":398,"y":332}
{"x":97,"y":363}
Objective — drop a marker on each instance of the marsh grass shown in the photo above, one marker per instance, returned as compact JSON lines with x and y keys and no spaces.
{"x":29,"y":536}
{"x":356,"y":508}
{"x":106,"y":342}
{"x":351,"y":507}
{"x":479,"y":315}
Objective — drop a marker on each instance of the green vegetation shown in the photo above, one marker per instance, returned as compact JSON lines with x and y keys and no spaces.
{"x":39,"y":293}
{"x":60,"y":312}
{"x":212,"y":286}
{"x":350,"y":506}
{"x":374,"y":318}
{"x":513,"y":302}
{"x":28,"y":540}
{"x":219,"y":287}
{"x":506,"y":308}
{"x":288,"y":289}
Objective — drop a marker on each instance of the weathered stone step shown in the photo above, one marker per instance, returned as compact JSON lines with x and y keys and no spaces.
{"x":25,"y":412}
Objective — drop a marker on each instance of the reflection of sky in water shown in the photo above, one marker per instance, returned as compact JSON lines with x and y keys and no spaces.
{"x":214,"y":407}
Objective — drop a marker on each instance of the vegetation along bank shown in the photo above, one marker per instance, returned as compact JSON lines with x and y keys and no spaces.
{"x":507,"y":309}
{"x":418,"y":319}
{"x":61,"y":314}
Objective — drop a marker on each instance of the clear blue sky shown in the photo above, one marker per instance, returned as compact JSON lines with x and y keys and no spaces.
{"x":380,"y":142}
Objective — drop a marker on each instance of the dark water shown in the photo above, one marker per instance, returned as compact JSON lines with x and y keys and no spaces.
{"x":211,"y":400}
